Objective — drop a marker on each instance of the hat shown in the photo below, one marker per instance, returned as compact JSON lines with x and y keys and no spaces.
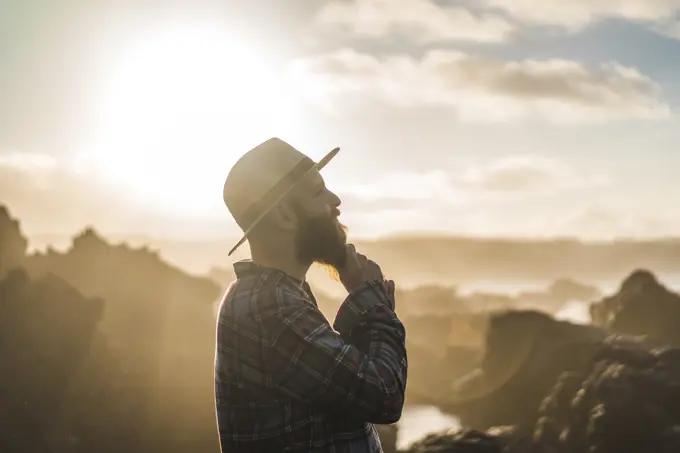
{"x":262,"y":177}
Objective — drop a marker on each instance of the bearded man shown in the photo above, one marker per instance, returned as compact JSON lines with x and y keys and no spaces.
{"x":285,"y":380}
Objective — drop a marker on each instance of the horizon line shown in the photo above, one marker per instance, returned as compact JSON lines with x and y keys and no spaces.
{"x":401,"y":236}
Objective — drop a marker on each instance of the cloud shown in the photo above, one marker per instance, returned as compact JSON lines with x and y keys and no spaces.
{"x":670,"y":28}
{"x":521,"y":195}
{"x":51,"y":196}
{"x":597,"y":216}
{"x":608,"y":218}
{"x":482,"y":88}
{"x":422,"y":21}
{"x":371,"y":205}
{"x":503,"y":197}
{"x":527,"y":174}
{"x":404,"y":185}
{"x":27,"y":162}
{"x":428,"y":21}
{"x":575,"y":14}
{"x":496,"y":181}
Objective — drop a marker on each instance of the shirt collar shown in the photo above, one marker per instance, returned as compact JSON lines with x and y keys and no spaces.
{"x":245,"y":268}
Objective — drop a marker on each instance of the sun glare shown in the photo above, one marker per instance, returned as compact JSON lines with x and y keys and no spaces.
{"x":177,"y":108}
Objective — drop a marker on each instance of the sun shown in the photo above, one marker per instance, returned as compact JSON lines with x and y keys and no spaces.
{"x":177,"y":108}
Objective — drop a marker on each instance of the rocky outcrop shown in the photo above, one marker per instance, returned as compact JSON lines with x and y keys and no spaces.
{"x":75,"y":377}
{"x":120,"y":359}
{"x":458,"y":442}
{"x":502,"y":439}
{"x":13,"y":243}
{"x":642,"y":306}
{"x":525,"y":353}
{"x":627,"y":402}
{"x":47,"y":329}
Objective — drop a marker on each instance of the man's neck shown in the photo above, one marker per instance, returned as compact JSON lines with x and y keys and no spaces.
{"x":282,"y":261}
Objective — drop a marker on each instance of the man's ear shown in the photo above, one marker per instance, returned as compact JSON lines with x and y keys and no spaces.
{"x":283,"y":217}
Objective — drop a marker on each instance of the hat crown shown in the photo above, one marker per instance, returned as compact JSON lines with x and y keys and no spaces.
{"x":257,"y":172}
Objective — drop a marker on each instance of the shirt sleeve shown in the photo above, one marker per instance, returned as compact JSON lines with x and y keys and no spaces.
{"x":310,"y":362}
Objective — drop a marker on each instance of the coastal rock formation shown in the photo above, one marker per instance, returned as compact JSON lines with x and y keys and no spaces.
{"x":13,"y":243}
{"x":501,"y":439}
{"x":628,"y":402}
{"x":525,"y":353}
{"x":106,"y":347}
{"x":458,"y":442}
{"x":550,"y":299}
{"x":46,"y":331}
{"x":642,"y":306}
{"x":146,"y":358}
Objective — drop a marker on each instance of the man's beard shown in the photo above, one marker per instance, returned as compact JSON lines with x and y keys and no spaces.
{"x":322,"y":240}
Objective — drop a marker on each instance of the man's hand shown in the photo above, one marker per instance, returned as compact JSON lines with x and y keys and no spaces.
{"x":358,"y":270}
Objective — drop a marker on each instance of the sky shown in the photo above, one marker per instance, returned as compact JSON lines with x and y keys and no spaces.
{"x":506,"y":118}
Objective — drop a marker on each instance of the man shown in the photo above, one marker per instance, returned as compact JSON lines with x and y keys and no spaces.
{"x":285,"y":381}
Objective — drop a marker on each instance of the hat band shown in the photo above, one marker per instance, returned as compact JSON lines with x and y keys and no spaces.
{"x":293,"y":176}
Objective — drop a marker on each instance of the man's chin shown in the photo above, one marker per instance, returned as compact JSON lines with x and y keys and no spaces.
{"x":342,"y":230}
{"x":333,"y":266}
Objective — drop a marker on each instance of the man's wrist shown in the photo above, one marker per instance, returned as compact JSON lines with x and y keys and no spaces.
{"x":367,"y":297}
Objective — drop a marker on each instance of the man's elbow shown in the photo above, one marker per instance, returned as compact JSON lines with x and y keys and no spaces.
{"x":392,"y":409}
{"x":388,"y":418}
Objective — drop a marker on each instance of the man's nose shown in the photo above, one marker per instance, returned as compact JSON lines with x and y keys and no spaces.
{"x":334,"y":200}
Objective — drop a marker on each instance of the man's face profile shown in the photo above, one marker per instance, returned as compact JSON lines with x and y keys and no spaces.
{"x":320,"y":237}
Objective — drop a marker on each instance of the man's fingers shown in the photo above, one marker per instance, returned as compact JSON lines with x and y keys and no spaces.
{"x":374,"y":269}
{"x":389,"y":288}
{"x":352,"y":259}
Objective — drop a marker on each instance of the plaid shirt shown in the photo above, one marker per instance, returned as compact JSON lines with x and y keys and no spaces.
{"x":285,"y":381}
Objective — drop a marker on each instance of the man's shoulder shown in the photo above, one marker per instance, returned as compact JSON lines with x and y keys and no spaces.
{"x":252,"y":295}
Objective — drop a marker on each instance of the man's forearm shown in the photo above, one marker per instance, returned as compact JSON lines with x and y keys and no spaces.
{"x":330,"y":373}
{"x":376,"y":331}
{"x":359,"y":335}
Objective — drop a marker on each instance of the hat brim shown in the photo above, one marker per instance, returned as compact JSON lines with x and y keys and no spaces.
{"x":317,"y":166}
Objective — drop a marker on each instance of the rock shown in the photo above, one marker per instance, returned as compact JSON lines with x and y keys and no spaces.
{"x":628,"y":402}
{"x":563,"y":290}
{"x":458,"y":442}
{"x":525,"y":353}
{"x":627,"y":399}
{"x":642,"y":306}
{"x":13,"y":243}
{"x":566,"y":388}
{"x":46,"y":331}
{"x":500,"y":439}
